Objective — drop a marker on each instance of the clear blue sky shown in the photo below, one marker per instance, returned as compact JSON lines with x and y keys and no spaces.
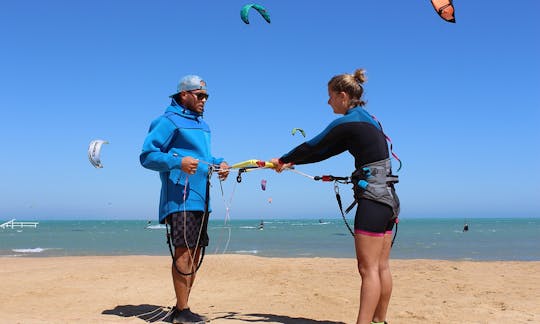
{"x":461,"y":101}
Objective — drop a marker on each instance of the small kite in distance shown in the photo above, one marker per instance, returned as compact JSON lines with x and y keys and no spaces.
{"x":298,"y":130}
{"x":263,"y":184}
{"x":94,"y":152}
{"x":445,"y":9}
{"x":262,"y":10}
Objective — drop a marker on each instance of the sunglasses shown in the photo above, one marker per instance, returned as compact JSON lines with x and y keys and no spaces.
{"x":200,"y":95}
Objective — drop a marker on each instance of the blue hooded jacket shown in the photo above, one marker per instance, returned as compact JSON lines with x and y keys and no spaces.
{"x":178,"y":133}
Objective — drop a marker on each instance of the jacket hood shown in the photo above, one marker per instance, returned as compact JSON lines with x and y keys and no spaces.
{"x":182,"y":111}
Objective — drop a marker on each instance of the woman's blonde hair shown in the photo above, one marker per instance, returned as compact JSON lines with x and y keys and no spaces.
{"x":350,"y":84}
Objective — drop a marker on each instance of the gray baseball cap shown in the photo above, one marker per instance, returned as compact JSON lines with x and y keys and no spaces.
{"x":190,"y":83}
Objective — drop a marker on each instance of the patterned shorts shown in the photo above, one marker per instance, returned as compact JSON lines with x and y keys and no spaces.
{"x":186,"y":229}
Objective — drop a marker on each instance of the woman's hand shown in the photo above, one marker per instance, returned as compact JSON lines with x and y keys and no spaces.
{"x":280,"y":166}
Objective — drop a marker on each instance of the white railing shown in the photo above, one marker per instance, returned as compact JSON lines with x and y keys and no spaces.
{"x":13,"y":224}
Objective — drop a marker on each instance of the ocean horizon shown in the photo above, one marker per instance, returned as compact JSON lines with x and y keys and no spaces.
{"x":487,"y":239}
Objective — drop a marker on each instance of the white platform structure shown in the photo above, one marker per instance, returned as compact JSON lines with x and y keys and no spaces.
{"x":13,"y":224}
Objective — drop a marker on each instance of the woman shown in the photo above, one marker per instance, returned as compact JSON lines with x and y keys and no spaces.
{"x":378,"y":205}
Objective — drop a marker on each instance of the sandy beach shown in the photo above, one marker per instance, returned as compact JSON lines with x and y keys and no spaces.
{"x":250,"y":289}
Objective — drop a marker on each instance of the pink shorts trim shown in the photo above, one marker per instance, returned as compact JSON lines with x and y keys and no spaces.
{"x":388,"y":232}
{"x":368,"y":233}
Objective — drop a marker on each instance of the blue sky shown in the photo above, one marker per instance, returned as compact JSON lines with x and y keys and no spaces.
{"x":460,"y":101}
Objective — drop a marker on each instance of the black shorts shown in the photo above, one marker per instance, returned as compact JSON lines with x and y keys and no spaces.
{"x":373,"y":218}
{"x":188,"y":228}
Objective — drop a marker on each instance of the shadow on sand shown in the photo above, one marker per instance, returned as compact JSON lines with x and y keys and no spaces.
{"x":153,"y":313}
{"x":145,"y":312}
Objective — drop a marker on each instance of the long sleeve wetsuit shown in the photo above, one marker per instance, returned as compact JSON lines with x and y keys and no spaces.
{"x":356,"y":132}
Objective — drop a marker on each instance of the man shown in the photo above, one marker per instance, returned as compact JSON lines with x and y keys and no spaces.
{"x":178,"y":147}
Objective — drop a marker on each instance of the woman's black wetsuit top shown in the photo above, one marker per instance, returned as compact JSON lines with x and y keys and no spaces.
{"x":356,"y":132}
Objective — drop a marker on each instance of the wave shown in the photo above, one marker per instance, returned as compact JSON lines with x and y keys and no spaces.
{"x":246,"y":251}
{"x":160,"y":226}
{"x":34,"y":250}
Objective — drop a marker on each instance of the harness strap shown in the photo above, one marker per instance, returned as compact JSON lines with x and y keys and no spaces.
{"x":389,"y":139}
{"x":351,"y":206}
{"x":338,"y":198}
{"x":396,"y":221}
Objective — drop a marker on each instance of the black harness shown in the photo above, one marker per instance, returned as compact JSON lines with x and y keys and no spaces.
{"x":358,"y":188}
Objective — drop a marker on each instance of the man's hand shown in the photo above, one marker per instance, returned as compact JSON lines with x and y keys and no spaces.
{"x":223,"y":172}
{"x":189,"y":165}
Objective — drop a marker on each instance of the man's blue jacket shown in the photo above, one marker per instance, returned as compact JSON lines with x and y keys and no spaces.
{"x":178,"y":133}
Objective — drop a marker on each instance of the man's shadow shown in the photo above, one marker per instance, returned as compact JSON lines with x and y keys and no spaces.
{"x":147,"y":313}
{"x":153,"y":313}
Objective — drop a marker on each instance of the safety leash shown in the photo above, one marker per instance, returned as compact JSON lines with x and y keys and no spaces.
{"x":204,"y":223}
{"x":343,"y":180}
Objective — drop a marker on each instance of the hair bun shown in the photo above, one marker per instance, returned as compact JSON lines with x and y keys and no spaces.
{"x":360,"y":76}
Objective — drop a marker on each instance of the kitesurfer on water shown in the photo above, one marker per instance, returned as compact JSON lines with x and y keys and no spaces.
{"x":378,"y":206}
{"x":176,"y":142}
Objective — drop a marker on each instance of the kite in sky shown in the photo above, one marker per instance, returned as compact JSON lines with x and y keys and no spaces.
{"x":298,"y":130}
{"x":246,"y":9}
{"x":445,"y":9}
{"x":94,"y":152}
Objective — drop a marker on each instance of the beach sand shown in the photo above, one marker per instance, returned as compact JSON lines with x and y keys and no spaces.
{"x":250,"y":289}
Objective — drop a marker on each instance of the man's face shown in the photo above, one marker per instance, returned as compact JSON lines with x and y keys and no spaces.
{"x":194,"y":100}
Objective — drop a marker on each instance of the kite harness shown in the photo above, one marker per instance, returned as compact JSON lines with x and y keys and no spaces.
{"x":374,"y":181}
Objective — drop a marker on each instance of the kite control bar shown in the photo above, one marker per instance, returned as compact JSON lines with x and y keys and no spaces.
{"x":258,"y":164}
{"x":253,"y":164}
{"x":249,"y":165}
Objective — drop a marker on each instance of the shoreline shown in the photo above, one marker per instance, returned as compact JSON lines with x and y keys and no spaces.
{"x":244,"y":288}
{"x":167,"y":255}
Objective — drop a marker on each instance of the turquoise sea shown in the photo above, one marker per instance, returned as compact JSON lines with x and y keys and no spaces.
{"x":419,"y":238}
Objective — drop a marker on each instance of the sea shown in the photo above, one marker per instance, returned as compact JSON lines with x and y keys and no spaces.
{"x":487,"y":239}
